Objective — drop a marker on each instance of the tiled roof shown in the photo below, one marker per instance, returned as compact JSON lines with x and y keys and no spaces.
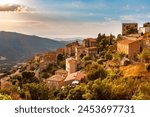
{"x":75,"y":76}
{"x":56,"y":78}
{"x":61,"y":71}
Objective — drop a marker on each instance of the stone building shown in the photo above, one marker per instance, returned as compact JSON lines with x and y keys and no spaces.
{"x":60,"y":51}
{"x":147,"y":24}
{"x":61,"y":72}
{"x":89,"y":42}
{"x":145,"y":28}
{"x":70,"y":48}
{"x":71,"y":65}
{"x":145,"y":41}
{"x":130,"y":47}
{"x":79,"y":52}
{"x":88,"y":48}
{"x":92,"y":51}
{"x":55,"y":82}
{"x":77,"y":76}
{"x":50,"y":57}
{"x":129,"y":28}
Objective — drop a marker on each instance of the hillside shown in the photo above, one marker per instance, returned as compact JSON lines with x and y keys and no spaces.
{"x":15,"y":47}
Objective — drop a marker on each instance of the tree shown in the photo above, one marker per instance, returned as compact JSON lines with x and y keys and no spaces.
{"x":62,"y":64}
{"x":60,"y":57}
{"x":94,"y":74}
{"x":118,"y":56}
{"x":108,"y":56}
{"x":144,"y":55}
{"x":143,"y":92}
{"x":148,"y":67}
{"x":29,"y":77}
{"x":77,"y":93}
{"x":86,"y":58}
{"x":38,"y":91}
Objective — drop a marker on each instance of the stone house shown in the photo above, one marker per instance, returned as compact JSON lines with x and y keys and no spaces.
{"x":88,"y":48}
{"x":89,"y":42}
{"x":77,"y":76}
{"x":79,"y":52}
{"x":145,"y":28}
{"x":147,"y":24}
{"x":129,"y":28}
{"x":92,"y":51}
{"x":60,"y":51}
{"x":61,"y":72}
{"x":56,"y":81}
{"x":130,"y":47}
{"x":70,"y":48}
{"x":145,"y":41}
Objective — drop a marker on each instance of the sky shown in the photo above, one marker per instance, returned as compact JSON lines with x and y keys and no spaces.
{"x":71,"y":18}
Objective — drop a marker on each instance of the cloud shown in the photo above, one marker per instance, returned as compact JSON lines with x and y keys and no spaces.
{"x":128,"y":18}
{"x":13,"y":8}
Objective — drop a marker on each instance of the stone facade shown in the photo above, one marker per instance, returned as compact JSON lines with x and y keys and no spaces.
{"x":130,"y":47}
{"x":79,"y":51}
{"x":146,"y":24}
{"x":77,"y":76}
{"x":50,"y":57}
{"x":92,"y":51}
{"x":89,"y":42}
{"x":145,"y":40}
{"x":129,"y":28}
{"x":88,"y":48}
{"x":61,"y":72}
{"x":55,"y":82}
{"x":71,"y":65}
{"x":60,"y":51}
{"x":144,"y":30}
{"x":70,"y":48}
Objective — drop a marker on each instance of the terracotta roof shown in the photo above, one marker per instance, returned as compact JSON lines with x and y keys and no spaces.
{"x":126,"y":41}
{"x":61,"y":71}
{"x":56,"y":78}
{"x":75,"y":76}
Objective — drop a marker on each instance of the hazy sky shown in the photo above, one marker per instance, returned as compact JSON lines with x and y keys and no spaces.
{"x":71,"y":18}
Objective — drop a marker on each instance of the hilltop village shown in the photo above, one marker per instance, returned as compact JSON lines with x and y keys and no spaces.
{"x":106,"y":67}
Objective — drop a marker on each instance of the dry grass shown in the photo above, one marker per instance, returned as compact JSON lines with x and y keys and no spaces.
{"x":135,"y":71}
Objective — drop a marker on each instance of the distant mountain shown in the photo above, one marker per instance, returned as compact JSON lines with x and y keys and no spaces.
{"x":15,"y":47}
{"x":79,"y":39}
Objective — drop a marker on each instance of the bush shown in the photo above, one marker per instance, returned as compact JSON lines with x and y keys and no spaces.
{"x":148,"y":67}
{"x":45,"y":75}
{"x":94,"y":74}
{"x":5,"y":97}
{"x":85,"y":58}
{"x":38,"y":91}
{"x":108,"y":56}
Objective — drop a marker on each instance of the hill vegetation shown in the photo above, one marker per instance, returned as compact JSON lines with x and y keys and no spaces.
{"x":17,"y":47}
{"x":105,"y":78}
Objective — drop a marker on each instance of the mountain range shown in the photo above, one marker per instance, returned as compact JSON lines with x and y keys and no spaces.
{"x":16,"y":47}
